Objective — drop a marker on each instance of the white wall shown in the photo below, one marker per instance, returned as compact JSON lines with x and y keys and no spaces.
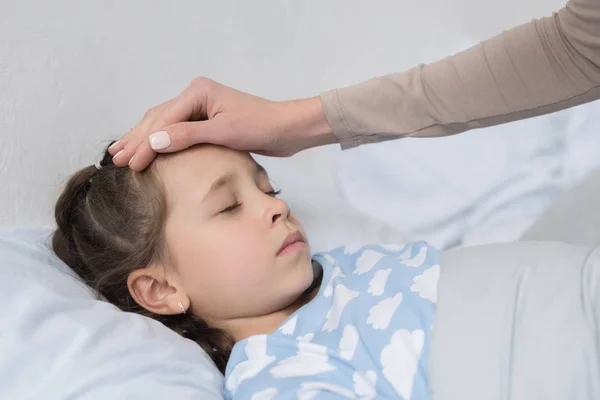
{"x":75,"y":74}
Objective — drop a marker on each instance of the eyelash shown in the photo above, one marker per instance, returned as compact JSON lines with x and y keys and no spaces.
{"x":234,"y":207}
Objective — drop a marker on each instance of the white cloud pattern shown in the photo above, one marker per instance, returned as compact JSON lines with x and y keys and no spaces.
{"x":400,"y":360}
{"x":310,"y":390}
{"x":311,"y":359}
{"x":267,"y":394}
{"x":426,"y":284}
{"x":348,"y":342}
{"x":306,"y":338}
{"x":290,"y":326}
{"x":336,"y":272}
{"x":417,"y":260}
{"x":367,"y":260}
{"x":377,"y":283}
{"x":341,"y":297}
{"x":380,"y":315}
{"x":365,"y":384}
{"x":256,"y":351}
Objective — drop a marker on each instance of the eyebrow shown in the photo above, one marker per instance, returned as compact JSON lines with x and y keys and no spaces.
{"x":229,"y":177}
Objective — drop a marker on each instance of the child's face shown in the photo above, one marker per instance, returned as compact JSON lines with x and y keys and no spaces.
{"x":228,"y":257}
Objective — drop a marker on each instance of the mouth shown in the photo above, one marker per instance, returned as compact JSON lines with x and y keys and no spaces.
{"x":292,"y":243}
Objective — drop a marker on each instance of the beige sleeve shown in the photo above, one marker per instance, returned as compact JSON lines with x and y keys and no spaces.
{"x":536,"y":68}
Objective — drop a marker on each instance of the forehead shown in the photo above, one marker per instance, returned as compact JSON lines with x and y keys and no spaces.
{"x":195,"y":169}
{"x":207,"y":158}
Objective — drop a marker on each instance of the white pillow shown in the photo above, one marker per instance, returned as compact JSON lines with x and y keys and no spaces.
{"x":58,"y":342}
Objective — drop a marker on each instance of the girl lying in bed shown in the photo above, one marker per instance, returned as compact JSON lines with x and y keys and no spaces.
{"x":200,"y":242}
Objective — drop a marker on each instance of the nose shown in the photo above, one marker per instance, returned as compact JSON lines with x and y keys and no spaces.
{"x":276,"y":209}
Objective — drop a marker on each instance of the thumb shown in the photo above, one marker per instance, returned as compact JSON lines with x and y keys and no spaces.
{"x":182,"y":135}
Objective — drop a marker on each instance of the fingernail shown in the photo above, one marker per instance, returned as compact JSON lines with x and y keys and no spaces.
{"x":114,"y":145}
{"x":130,"y":161}
{"x":160,"y":140}
{"x":118,"y":154}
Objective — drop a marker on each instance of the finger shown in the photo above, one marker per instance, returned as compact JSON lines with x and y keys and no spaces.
{"x":125,"y":140}
{"x":124,"y":155}
{"x":143,"y":156}
{"x":182,"y":135}
{"x":116,"y":147}
{"x":136,"y":135}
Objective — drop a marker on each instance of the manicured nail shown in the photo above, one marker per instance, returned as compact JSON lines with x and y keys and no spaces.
{"x":114,"y":145}
{"x":130,"y":161}
{"x":160,"y":140}
{"x":118,"y":154}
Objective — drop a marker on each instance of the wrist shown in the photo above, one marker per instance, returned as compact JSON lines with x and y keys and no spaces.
{"x":305,"y":121}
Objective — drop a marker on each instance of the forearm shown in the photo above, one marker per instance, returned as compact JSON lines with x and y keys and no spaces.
{"x":305,"y":119}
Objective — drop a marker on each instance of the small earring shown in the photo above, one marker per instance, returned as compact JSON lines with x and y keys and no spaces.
{"x":182,"y":308}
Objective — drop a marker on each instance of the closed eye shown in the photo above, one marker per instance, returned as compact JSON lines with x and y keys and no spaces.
{"x":231,"y":208}
{"x":234,"y":207}
{"x":273,"y":193}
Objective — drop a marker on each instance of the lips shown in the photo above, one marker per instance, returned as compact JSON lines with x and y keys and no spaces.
{"x":291,"y":239}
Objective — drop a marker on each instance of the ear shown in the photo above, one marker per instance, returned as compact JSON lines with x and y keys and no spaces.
{"x":154,"y":291}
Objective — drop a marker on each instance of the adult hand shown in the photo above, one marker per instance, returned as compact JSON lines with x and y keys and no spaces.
{"x":208,"y":112}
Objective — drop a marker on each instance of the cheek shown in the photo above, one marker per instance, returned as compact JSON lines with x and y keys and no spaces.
{"x":233,"y":271}
{"x":224,"y":256}
{"x":239,"y":247}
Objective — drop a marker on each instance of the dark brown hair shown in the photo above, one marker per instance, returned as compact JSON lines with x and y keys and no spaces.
{"x":110,"y":223}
